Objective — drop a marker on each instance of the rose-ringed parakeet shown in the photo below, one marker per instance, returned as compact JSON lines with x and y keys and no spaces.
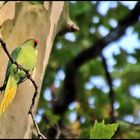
{"x":26,"y":56}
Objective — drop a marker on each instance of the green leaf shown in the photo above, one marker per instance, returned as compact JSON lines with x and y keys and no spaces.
{"x":102,"y":131}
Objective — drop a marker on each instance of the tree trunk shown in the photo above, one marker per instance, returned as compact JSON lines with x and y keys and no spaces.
{"x":20,"y":21}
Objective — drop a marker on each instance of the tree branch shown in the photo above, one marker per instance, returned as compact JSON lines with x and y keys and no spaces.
{"x":111,"y":92}
{"x":3,"y":44}
{"x":68,"y":93}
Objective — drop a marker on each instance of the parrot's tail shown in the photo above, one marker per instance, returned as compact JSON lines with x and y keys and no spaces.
{"x":9,"y":93}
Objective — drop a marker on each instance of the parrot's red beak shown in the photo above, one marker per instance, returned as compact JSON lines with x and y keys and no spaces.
{"x":36,"y":42}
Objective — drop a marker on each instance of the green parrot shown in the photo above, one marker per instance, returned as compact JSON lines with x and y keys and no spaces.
{"x":25,"y":55}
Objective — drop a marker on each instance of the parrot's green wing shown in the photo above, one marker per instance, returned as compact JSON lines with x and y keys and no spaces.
{"x":14,"y":56}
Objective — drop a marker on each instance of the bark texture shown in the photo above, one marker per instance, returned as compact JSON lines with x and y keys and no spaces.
{"x":20,"y":21}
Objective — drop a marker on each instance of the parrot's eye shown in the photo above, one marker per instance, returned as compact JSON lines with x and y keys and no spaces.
{"x":36,"y":42}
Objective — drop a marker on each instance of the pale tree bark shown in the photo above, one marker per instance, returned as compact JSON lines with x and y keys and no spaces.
{"x":20,"y":21}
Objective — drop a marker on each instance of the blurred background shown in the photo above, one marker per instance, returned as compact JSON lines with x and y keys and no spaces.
{"x":106,"y":86}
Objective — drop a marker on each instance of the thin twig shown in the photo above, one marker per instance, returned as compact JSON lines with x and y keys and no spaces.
{"x":40,"y":135}
{"x":56,"y":127}
{"x":3,"y":44}
{"x":111,"y":92}
{"x":58,"y":132}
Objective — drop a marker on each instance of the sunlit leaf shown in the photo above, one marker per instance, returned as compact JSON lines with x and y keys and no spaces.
{"x":102,"y":131}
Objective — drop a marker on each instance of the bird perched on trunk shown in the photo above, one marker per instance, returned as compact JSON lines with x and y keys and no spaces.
{"x":25,"y":55}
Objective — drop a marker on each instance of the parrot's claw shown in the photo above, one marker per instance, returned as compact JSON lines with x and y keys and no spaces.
{"x":19,"y":67}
